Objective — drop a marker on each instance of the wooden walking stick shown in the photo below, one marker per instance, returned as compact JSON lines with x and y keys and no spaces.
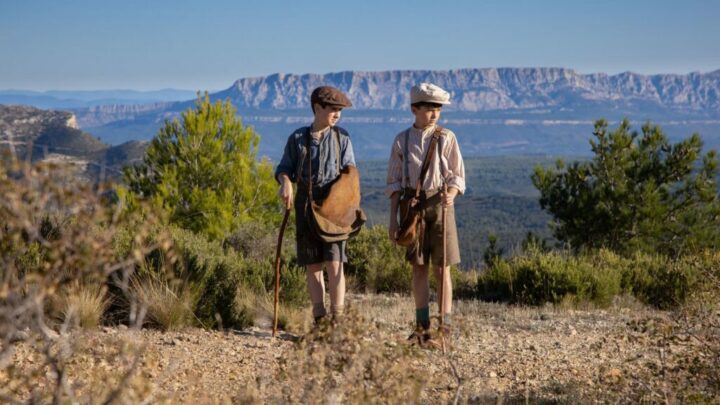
{"x":277,"y":270}
{"x":441,"y":289}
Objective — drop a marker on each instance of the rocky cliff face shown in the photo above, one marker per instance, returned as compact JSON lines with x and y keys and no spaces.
{"x":535,"y":90}
{"x":491,"y":89}
{"x":23,"y":124}
{"x":100,"y":115}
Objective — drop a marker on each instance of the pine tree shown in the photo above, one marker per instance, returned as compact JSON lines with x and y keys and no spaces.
{"x":203,"y":170}
{"x":639,"y":192}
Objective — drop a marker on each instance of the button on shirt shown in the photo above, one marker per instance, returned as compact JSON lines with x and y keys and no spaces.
{"x":322,"y":156}
{"x":450,"y":165}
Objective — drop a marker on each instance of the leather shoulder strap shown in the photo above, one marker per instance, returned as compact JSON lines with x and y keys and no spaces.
{"x":309,"y":164}
{"x":426,"y":163}
{"x":406,"y":169}
{"x":303,"y":153}
{"x":336,"y":132}
{"x":440,"y":133}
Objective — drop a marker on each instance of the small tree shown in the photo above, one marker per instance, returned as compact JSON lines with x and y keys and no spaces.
{"x":204,"y":171}
{"x":492,"y":252}
{"x":534,"y":242}
{"x":638,"y":192}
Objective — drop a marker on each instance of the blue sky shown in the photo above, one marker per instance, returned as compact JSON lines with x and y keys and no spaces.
{"x":198,"y":45}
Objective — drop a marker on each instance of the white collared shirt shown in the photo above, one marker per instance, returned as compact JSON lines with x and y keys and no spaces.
{"x":451,"y":166}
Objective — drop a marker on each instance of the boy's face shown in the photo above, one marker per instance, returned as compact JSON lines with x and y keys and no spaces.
{"x":328,"y":115}
{"x":426,"y":115}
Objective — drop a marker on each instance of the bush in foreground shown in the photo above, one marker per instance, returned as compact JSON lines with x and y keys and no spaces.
{"x":57,"y":254}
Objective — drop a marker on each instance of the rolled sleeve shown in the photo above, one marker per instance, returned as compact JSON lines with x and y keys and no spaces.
{"x":288,"y":163}
{"x":455,"y":176}
{"x":395,"y":173}
{"x":348,"y":156}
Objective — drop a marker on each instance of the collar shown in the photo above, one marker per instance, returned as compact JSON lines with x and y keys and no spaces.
{"x":422,"y":132}
{"x":308,"y":131}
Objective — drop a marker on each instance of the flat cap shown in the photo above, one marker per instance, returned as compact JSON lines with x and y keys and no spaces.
{"x":329,"y":95}
{"x":429,"y":93}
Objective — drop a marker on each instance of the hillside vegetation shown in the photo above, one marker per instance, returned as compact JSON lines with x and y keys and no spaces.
{"x":189,"y":244}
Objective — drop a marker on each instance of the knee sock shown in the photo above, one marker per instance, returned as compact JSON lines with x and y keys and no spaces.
{"x":422,"y":317}
{"x":337,"y":311}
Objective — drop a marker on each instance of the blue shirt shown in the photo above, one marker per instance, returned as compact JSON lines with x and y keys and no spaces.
{"x":322,"y":156}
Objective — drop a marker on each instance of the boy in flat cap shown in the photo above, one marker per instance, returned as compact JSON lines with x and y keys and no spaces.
{"x":445,"y":170}
{"x":325,"y":145}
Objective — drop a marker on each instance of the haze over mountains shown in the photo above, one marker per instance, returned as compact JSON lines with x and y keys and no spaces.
{"x":495,"y":111}
{"x":88,"y":98}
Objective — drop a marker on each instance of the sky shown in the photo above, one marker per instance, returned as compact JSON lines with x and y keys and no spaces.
{"x":207,"y":45}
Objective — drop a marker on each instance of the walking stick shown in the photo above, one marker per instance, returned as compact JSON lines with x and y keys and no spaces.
{"x":277,"y":270}
{"x":441,"y":294}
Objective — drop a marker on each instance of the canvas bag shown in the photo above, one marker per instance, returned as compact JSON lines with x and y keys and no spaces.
{"x":339,"y":216}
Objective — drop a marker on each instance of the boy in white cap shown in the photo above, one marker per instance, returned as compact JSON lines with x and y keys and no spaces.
{"x":445,"y":170}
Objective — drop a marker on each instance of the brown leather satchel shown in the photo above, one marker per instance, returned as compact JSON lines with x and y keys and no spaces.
{"x":339,"y":216}
{"x":411,"y":205}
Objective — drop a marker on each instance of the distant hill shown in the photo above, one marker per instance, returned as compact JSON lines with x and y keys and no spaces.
{"x":54,"y":136}
{"x":83,"y":99}
{"x":495,"y":111}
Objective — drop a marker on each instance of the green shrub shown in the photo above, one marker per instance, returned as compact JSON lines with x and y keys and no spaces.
{"x":257,"y":240}
{"x":535,"y":277}
{"x":293,"y":285}
{"x":217,"y":274}
{"x":376,"y":263}
{"x":547,"y":278}
{"x":464,"y":283}
{"x":663,"y":282}
{"x":606,"y":283}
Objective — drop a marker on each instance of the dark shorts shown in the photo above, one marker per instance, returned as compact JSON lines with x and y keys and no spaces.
{"x":310,"y":249}
{"x":430,"y":248}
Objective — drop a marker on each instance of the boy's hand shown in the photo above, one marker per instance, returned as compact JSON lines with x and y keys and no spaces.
{"x":286,"y":192}
{"x":393,"y":229}
{"x":448,"y":198}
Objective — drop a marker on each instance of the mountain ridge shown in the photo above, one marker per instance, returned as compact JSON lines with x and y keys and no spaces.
{"x":494,"y":111}
{"x":484,"y":89}
{"x":533,"y":92}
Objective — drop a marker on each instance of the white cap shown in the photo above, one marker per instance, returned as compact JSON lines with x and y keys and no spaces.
{"x":429,"y":93}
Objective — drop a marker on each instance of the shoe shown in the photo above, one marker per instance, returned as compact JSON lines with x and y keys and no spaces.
{"x":419,"y":336}
{"x":444,"y":336}
{"x":445,"y":331}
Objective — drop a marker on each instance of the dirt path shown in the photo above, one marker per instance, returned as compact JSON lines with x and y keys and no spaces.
{"x":502,"y":355}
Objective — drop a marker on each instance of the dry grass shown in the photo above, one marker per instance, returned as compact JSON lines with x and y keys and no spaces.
{"x":348,"y":363}
{"x":259,"y":308}
{"x":699,"y":319}
{"x":169,"y":305}
{"x":83,"y":306}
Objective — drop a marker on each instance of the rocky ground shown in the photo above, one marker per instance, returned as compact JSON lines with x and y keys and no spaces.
{"x":499,"y":354}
